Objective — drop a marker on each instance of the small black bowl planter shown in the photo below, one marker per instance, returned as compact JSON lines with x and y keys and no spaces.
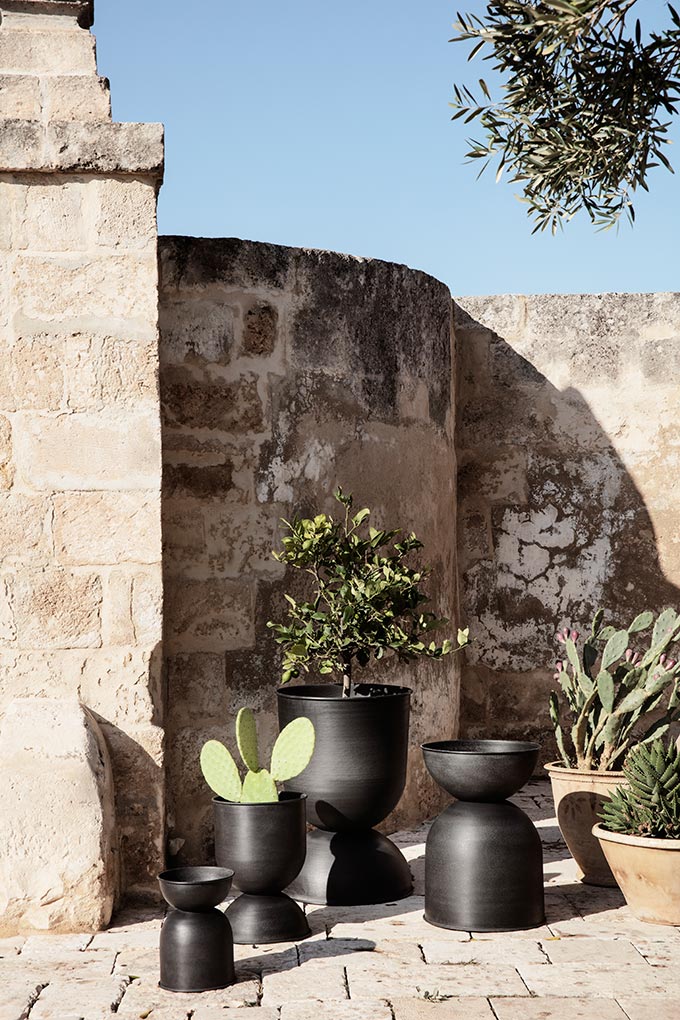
{"x":196,"y":946}
{"x":483,"y":858}
{"x":265,"y":846}
{"x":355,"y":778}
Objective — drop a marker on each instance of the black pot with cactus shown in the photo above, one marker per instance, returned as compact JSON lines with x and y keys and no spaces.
{"x":365,"y":602}
{"x":259,"y":833}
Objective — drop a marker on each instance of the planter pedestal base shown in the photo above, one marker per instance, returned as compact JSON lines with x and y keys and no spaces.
{"x":484,"y":869}
{"x":350,"y":869}
{"x":259,"y":920}
{"x":196,"y":951}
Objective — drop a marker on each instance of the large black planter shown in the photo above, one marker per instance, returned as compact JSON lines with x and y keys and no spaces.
{"x":355,"y":778}
{"x":265,"y":846}
{"x":196,"y":947}
{"x":483,"y":858}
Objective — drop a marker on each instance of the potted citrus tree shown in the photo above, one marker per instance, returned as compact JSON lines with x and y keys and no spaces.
{"x":364,"y":602}
{"x":640,"y":833}
{"x":617,"y":689}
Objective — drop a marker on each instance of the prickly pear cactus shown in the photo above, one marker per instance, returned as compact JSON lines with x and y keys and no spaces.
{"x":220,"y":771}
{"x":293,"y":749}
{"x":246,"y":738}
{"x":259,"y":788}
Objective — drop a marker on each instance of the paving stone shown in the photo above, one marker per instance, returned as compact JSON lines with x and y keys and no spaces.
{"x":644,"y":1008}
{"x":124,"y":941}
{"x":89,"y":998}
{"x":659,"y":954}
{"x":484,"y":951}
{"x":218,"y":1013}
{"x":11,"y":946}
{"x":54,"y":947}
{"x":272,"y":958}
{"x":466,"y":1008}
{"x":336,"y":1009}
{"x":392,"y":921}
{"x":554,"y":1008}
{"x":583,"y":979}
{"x":324,"y":979}
{"x":603,"y":952}
{"x":530,"y":934}
{"x":137,"y":963}
{"x":384,"y":978}
{"x":331,"y":949}
{"x":17,"y":995}
{"x":144,"y":994}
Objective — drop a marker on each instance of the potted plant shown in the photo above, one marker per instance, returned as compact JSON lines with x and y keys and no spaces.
{"x":260,"y":834}
{"x":614,"y":693}
{"x":640,"y":833}
{"x":364,"y":602}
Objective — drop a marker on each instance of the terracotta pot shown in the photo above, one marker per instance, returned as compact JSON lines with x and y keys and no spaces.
{"x":579,"y":797}
{"x":648,"y":872}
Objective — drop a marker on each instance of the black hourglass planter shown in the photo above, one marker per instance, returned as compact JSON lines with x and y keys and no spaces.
{"x":196,"y":946}
{"x":483,"y":858}
{"x":355,"y":778}
{"x":265,"y":846}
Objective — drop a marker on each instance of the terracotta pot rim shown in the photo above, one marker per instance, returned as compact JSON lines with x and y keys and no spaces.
{"x":639,"y":841}
{"x":557,"y":766}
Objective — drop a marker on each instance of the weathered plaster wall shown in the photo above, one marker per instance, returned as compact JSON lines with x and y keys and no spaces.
{"x":80,"y":452}
{"x":283,"y":373}
{"x":568,"y":445}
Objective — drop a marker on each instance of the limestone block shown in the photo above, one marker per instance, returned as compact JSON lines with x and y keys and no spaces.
{"x":260,"y":327}
{"x":117,"y":626}
{"x":106,"y":148}
{"x":47,"y":215}
{"x":54,"y":608}
{"x":36,"y":374}
{"x":19,"y":97}
{"x":21,"y":144}
{"x":147,"y":606}
{"x":6,"y":466}
{"x":211,"y":402}
{"x":208,"y":615}
{"x":76,"y":97}
{"x":196,"y":328}
{"x":106,"y":371}
{"x":124,"y":214}
{"x":107,"y":527}
{"x":58,"y":855}
{"x":24,"y":528}
{"x":50,"y":288}
{"x":82,"y":451}
{"x":5,"y":269}
{"x":24,"y":50}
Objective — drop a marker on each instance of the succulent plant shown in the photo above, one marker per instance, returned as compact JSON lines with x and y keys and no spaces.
{"x":650,"y":804}
{"x":610,"y":689}
{"x":291,"y":754}
{"x":365,"y":601}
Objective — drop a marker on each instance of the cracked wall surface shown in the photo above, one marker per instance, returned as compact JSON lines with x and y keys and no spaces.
{"x":284,"y":373}
{"x":568,"y":445}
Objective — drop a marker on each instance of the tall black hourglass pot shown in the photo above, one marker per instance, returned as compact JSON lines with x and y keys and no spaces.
{"x":355,"y":778}
{"x":483,"y":858}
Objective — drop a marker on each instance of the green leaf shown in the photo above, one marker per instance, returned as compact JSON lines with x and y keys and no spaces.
{"x":605,"y":690}
{"x":220,"y":771}
{"x":293,"y":749}
{"x":641,"y":622}
{"x":246,"y":738}
{"x":259,"y":788}
{"x":664,"y":625}
{"x":615,"y":648}
{"x":360,"y":517}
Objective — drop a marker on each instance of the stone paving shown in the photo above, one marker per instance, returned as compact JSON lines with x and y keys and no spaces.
{"x":592,"y":959}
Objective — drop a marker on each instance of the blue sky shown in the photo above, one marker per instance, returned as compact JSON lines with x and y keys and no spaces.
{"x":327,"y":126}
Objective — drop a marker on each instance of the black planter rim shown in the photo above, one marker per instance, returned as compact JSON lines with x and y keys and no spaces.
{"x":209,"y":988}
{"x":321,"y":692}
{"x":285,"y":797}
{"x":477,"y":747}
{"x":205,"y":874}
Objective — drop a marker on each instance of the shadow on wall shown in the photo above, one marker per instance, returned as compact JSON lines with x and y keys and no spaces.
{"x":283,"y":373}
{"x":567,"y":437}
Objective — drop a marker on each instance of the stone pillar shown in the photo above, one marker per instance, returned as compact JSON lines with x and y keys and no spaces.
{"x":80,"y":460}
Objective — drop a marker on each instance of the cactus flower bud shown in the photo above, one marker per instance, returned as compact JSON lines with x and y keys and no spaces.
{"x":628,"y":654}
{"x":670,"y":664}
{"x":560,"y":637}
{"x":559,"y":666}
{"x":662,"y":660}
{"x":574,"y":635}
{"x":636,"y":658}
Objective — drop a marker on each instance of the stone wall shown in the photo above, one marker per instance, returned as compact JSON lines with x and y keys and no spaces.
{"x":80,"y":460}
{"x":283,"y":374}
{"x":568,"y":444}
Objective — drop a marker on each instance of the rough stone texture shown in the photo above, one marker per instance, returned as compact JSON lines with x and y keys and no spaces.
{"x":284,"y":373}
{"x":80,"y":452}
{"x":58,"y":853}
{"x":567,"y":442}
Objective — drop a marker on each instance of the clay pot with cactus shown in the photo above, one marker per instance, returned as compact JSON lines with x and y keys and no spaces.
{"x":616,"y":691}
{"x":364,"y":602}
{"x":640,"y":833}
{"x":259,"y":832}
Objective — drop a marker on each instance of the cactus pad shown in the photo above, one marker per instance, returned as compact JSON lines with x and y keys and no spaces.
{"x":246,"y":738}
{"x":259,"y":788}
{"x":220,"y":771}
{"x":293,"y":749}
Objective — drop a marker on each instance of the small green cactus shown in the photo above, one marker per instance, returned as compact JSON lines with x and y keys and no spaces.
{"x":291,"y":754}
{"x":650,"y":804}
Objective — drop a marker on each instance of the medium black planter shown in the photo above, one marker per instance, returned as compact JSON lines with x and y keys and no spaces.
{"x":483,"y":858}
{"x":196,"y":946}
{"x":265,"y":846}
{"x":355,"y":778}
